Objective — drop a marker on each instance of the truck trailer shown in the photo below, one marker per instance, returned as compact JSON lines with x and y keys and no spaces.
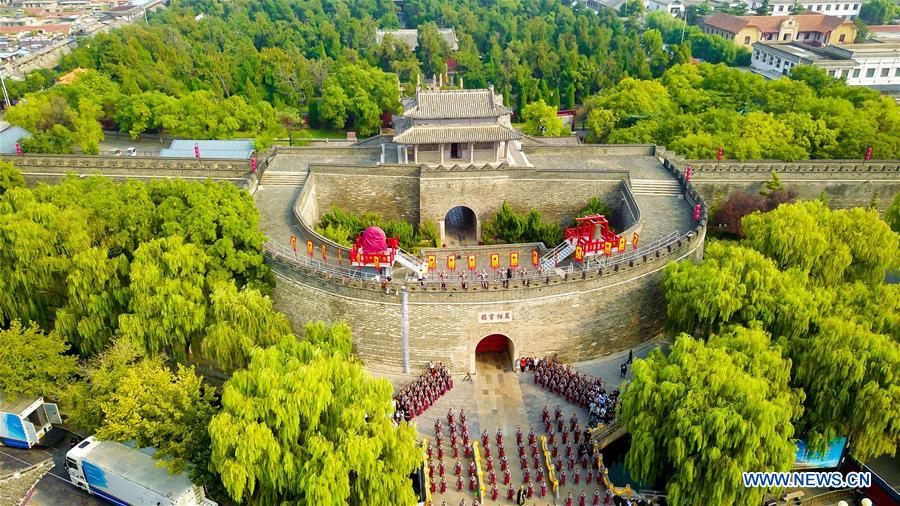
{"x":128,"y":476}
{"x":25,"y":420}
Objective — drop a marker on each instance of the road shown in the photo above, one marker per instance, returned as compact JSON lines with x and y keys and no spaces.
{"x":54,"y":488}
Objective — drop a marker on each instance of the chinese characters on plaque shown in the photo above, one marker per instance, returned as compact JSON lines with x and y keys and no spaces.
{"x":494,"y":316}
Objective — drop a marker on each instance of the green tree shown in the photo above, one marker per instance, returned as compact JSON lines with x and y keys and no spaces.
{"x":100,"y":378}
{"x":328,"y":441}
{"x":34,"y":363}
{"x":541,"y":119}
{"x":877,"y":12}
{"x":763,"y":9}
{"x":168,"y":306}
{"x":166,"y":410}
{"x":849,"y":375}
{"x":432,"y":49}
{"x":10,"y":177}
{"x":711,"y":410}
{"x":600,"y":122}
{"x":239,"y":322}
{"x":892,"y":216}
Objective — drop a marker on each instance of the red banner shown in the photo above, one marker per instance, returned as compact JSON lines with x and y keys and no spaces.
{"x":324,"y":256}
{"x":534,"y":258}
{"x":309,"y":248}
{"x":294,"y":243}
{"x":579,"y":254}
{"x":634,"y":240}
{"x":607,"y":248}
{"x":451,"y":262}
{"x":377,"y":260}
{"x":471,"y":262}
{"x":432,"y":262}
{"x":340,"y":257}
{"x":622,"y":244}
{"x":495,"y":260}
{"x":513,"y":259}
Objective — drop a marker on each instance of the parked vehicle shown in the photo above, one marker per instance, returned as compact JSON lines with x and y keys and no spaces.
{"x":25,"y":420}
{"x":129,"y":476}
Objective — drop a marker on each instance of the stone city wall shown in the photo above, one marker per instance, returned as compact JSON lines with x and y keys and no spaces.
{"x":557,"y":194}
{"x":845,"y":183}
{"x":389,"y":190}
{"x":52,"y":168}
{"x":576,"y":317}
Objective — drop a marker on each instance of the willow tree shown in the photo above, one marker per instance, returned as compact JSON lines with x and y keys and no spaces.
{"x":305,"y":424}
{"x":239,"y":321}
{"x":706,"y":412}
{"x":850,"y":375}
{"x":97,"y":294}
{"x":168,"y":304}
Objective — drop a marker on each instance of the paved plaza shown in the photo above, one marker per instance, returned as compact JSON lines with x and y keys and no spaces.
{"x":497,"y":397}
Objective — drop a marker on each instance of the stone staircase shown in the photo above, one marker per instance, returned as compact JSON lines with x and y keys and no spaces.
{"x":656,"y":187}
{"x":276,"y":178}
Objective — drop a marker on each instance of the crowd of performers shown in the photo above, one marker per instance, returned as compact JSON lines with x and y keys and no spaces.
{"x":572,"y":457}
{"x":577,"y":388}
{"x":422,"y":393}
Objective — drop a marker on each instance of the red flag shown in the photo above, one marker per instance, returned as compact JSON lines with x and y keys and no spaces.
{"x":18,"y":149}
{"x":197,"y":150}
{"x":868,"y":153}
{"x":719,"y":155}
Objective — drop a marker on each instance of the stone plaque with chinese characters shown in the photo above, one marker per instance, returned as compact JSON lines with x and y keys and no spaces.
{"x":495,"y":316}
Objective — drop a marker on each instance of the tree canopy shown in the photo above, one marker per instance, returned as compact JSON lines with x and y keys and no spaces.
{"x":33,"y":362}
{"x":328,"y":439}
{"x":814,"y":279}
{"x":708,"y":411}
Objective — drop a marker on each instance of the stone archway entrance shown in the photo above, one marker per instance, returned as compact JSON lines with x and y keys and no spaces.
{"x":460,"y":227}
{"x":494,"y":352}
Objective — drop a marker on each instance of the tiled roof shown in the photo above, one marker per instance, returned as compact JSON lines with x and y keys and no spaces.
{"x":456,"y":104}
{"x":447,"y":134}
{"x":806,"y":22}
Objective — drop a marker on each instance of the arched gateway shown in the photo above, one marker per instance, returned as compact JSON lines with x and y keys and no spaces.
{"x":495,"y":349}
{"x":460,"y":227}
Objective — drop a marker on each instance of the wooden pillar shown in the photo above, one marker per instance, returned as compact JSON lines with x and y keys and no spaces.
{"x":471,"y":152}
{"x":416,"y":153}
{"x":442,"y":153}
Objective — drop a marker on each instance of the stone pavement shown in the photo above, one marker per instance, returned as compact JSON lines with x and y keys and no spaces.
{"x":497,"y":397}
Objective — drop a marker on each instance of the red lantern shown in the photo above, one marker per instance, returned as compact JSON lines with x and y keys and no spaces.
{"x":868,"y":153}
{"x":18,"y":149}
{"x":696,"y":212}
{"x":719,"y":154}
{"x":687,"y":173}
{"x":197,"y":150}
{"x":253,"y":164}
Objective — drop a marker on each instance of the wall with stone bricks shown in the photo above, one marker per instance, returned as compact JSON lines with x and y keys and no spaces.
{"x":577,"y":318}
{"x":846,"y":183}
{"x":391,"y":191}
{"x":52,"y":168}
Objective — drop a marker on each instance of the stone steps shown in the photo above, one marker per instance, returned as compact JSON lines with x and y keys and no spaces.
{"x":273,"y":178}
{"x":656,"y":187}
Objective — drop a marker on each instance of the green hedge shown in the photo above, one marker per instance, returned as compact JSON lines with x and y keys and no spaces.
{"x":342,"y":227}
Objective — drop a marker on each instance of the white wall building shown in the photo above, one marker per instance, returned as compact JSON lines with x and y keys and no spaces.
{"x":875,"y":65}
{"x":845,"y":9}
{"x":673,"y":7}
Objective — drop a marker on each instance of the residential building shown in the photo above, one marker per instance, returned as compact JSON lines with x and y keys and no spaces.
{"x":456,"y":127}
{"x":874,"y":64}
{"x":845,"y":9}
{"x":235,"y":149}
{"x":410,"y":37}
{"x":813,"y":29}
{"x":673,"y":7}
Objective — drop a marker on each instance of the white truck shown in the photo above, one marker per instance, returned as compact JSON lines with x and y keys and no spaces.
{"x":128,"y":476}
{"x":25,"y":420}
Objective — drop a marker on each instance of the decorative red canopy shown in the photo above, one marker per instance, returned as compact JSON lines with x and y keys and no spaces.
{"x":373,"y":241}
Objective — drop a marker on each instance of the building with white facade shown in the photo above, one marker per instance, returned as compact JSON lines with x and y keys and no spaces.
{"x":846,"y":9}
{"x":875,"y":64}
{"x":673,"y":7}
